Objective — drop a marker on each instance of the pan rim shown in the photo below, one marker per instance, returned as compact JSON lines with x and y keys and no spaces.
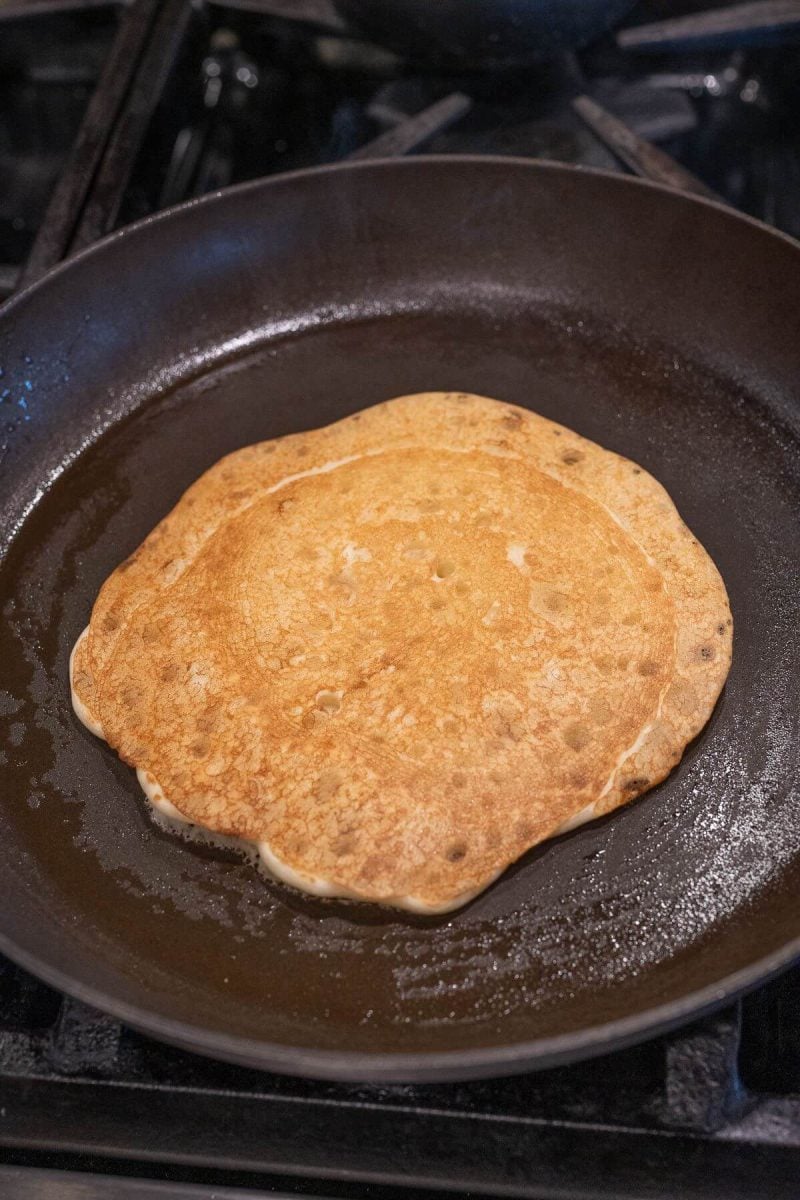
{"x":534,"y":165}
{"x":358,"y":1066}
{"x":428,"y":1066}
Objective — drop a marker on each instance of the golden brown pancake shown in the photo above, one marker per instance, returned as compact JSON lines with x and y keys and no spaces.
{"x":397,"y":652}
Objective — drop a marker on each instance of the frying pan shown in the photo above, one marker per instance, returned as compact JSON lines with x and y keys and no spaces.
{"x":665,"y":328}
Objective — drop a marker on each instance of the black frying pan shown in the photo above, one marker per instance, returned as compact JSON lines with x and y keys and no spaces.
{"x":664,"y":327}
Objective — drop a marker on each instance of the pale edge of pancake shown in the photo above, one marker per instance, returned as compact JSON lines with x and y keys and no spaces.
{"x":275,"y":866}
{"x":269,"y":860}
{"x":640,"y":749}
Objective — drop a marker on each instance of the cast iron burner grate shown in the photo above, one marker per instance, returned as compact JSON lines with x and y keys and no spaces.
{"x":192,"y":97}
{"x":710,"y":1111}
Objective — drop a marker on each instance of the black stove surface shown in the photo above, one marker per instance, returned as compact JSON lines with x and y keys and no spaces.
{"x":230,"y":93}
{"x":710,"y":1111}
{"x":94,"y":133}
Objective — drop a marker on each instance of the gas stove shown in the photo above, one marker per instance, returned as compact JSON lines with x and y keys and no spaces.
{"x":133,"y":108}
{"x":109,"y":112}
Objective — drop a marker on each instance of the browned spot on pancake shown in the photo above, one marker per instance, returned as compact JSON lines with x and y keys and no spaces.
{"x":636,"y":785}
{"x":208,"y":721}
{"x":600,"y":710}
{"x":508,"y":725}
{"x":648,"y":667}
{"x":329,"y":783}
{"x":456,"y":852}
{"x":571,"y":457}
{"x":131,"y":696}
{"x":555,"y":602}
{"x":577,"y":735}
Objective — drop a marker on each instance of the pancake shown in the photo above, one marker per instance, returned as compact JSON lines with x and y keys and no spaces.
{"x":396,"y":653}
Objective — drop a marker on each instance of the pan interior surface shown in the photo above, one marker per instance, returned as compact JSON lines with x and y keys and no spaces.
{"x":688,"y":886}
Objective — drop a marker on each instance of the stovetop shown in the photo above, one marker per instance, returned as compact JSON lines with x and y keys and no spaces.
{"x":710,"y":1111}
{"x":226,"y":92}
{"x":109,"y":112}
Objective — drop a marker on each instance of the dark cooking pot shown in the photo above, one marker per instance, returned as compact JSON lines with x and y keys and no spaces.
{"x":482,"y":33}
{"x":459,"y":34}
